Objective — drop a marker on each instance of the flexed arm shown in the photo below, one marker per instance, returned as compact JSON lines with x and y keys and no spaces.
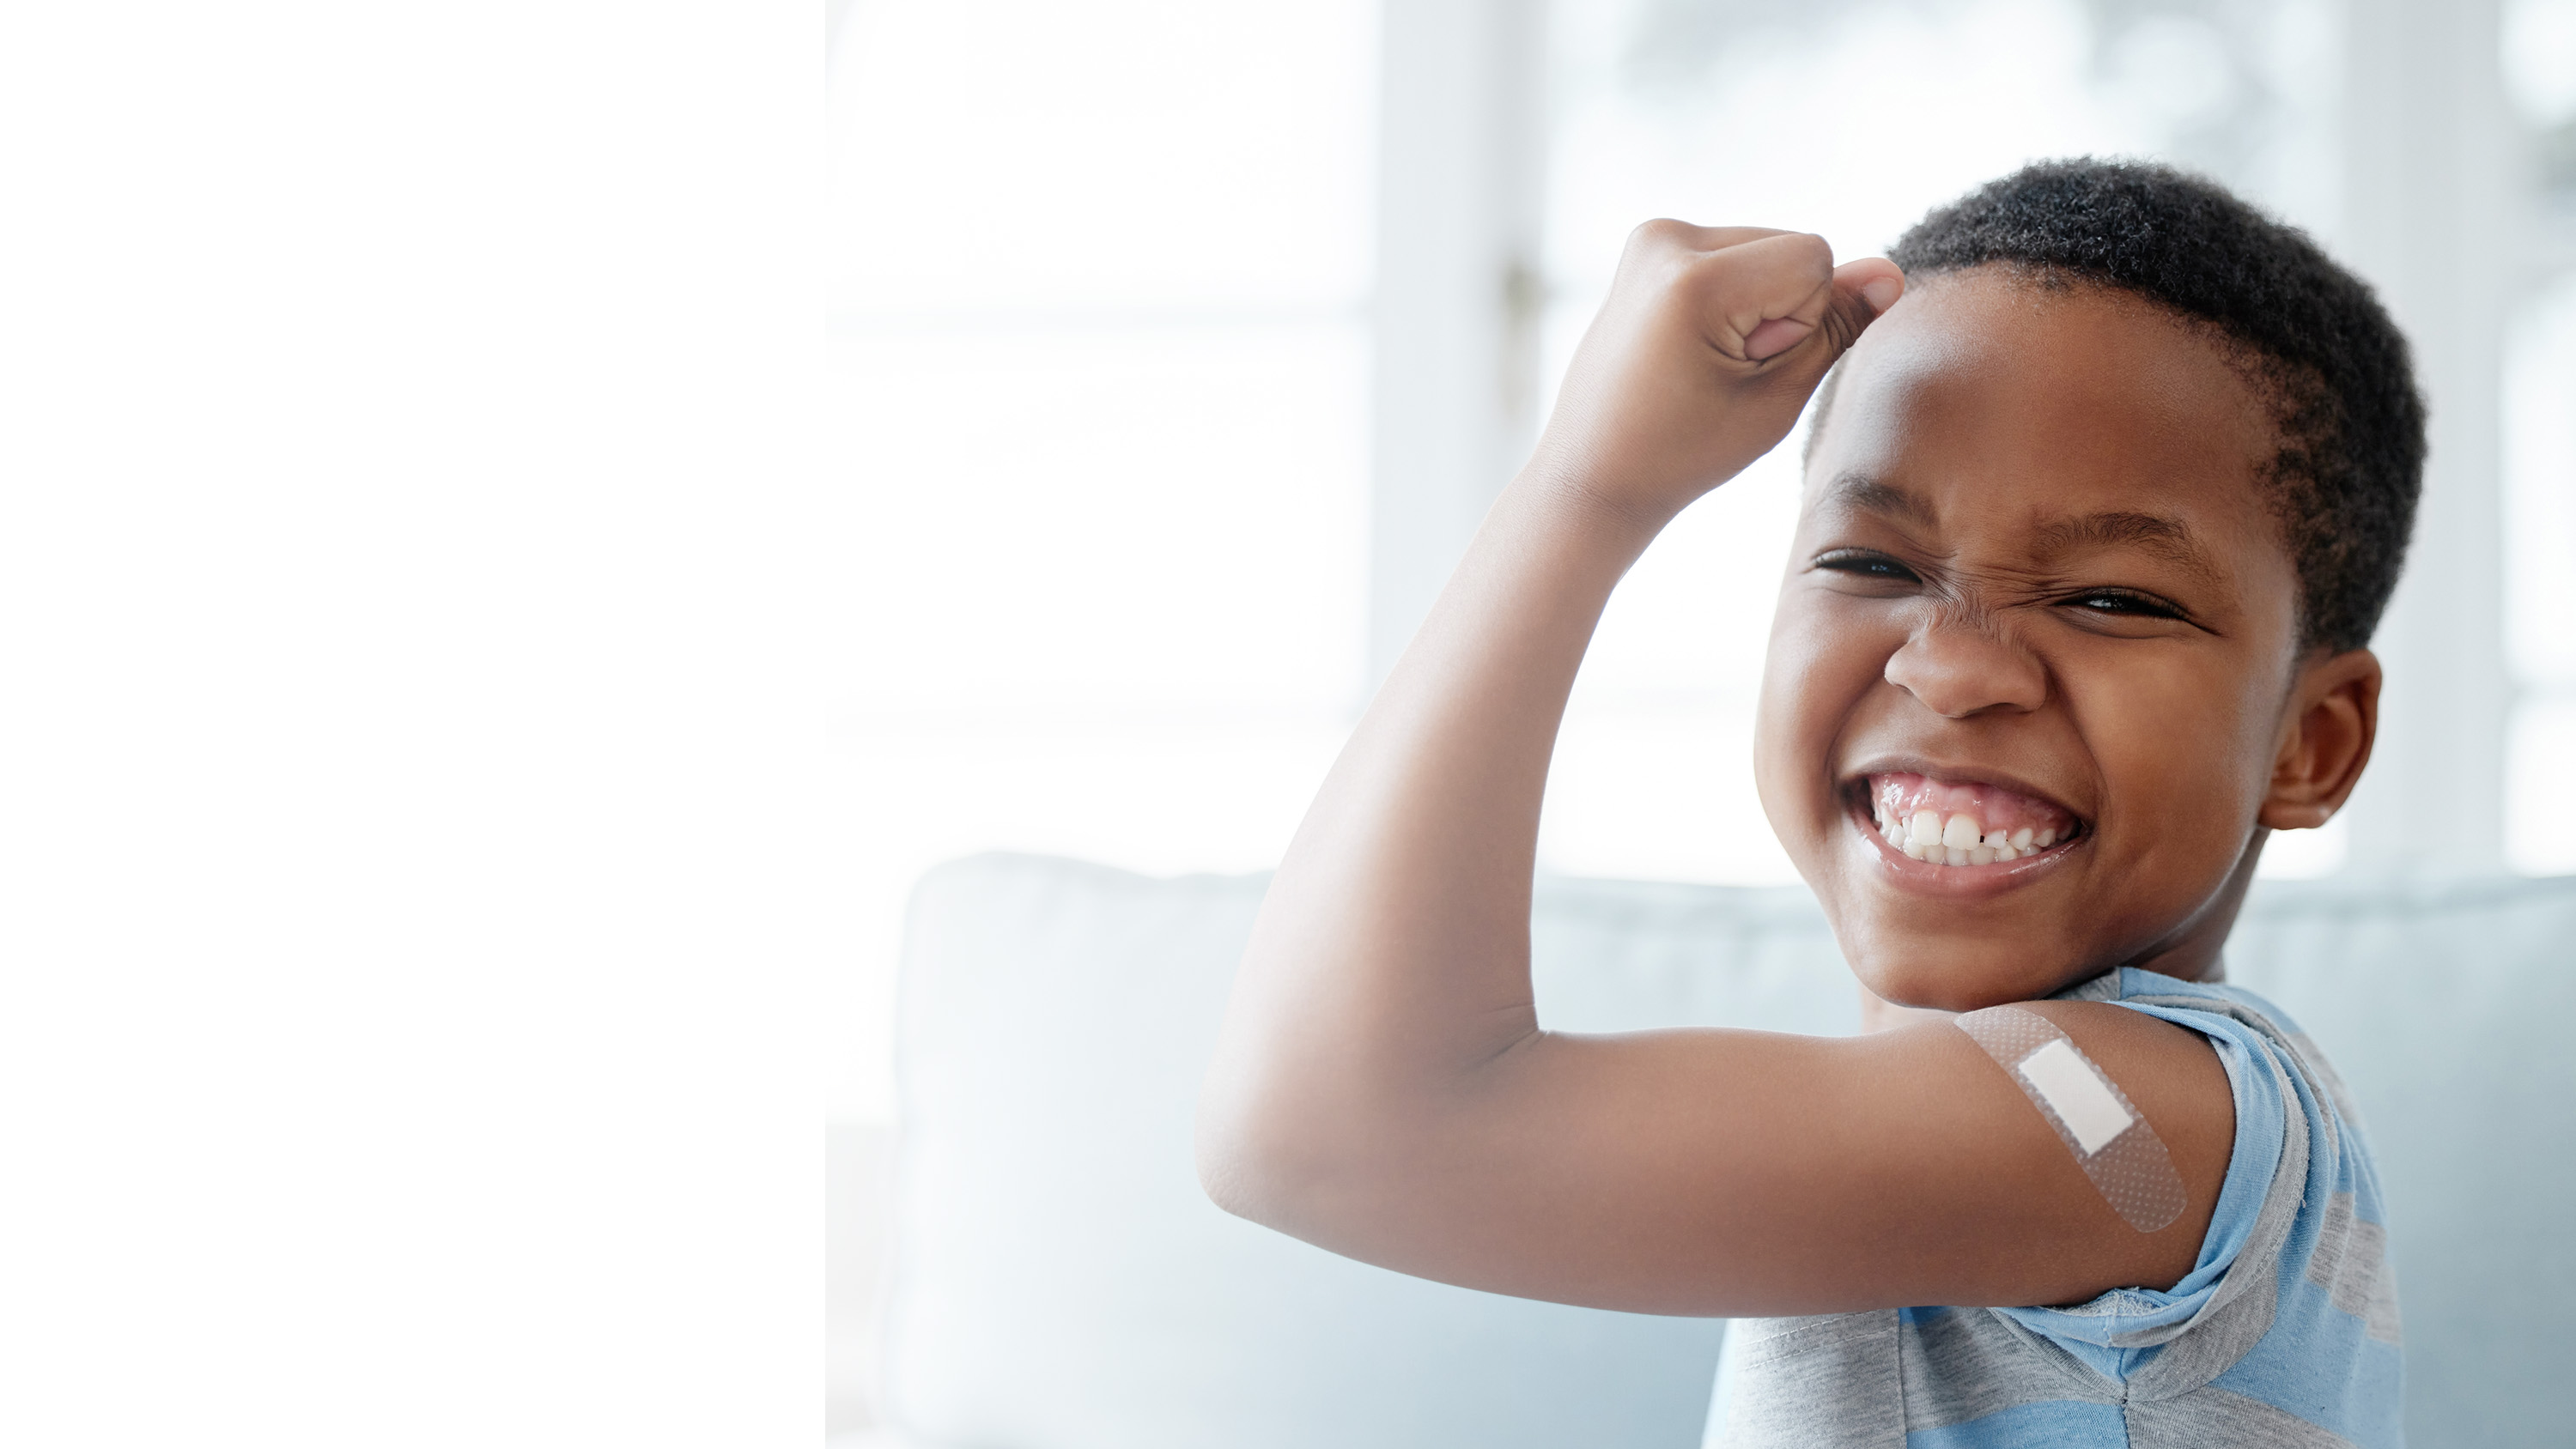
{"x":1383,"y":1087}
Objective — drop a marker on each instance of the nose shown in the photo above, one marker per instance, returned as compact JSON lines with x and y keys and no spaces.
{"x":1960,"y":667}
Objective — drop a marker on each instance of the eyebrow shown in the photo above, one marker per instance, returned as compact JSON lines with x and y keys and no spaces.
{"x":2166,"y":538}
{"x":1869,"y":495}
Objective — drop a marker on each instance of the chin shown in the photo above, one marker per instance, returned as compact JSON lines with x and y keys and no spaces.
{"x":1951,"y":975}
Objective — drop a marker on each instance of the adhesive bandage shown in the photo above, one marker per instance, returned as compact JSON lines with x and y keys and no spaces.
{"x":2093,"y":1117}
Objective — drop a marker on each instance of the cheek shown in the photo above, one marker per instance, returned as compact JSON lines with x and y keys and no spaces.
{"x":1820,"y":661}
{"x":2182,"y":744}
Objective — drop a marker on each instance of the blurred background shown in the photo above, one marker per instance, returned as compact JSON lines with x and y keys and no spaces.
{"x":1176,"y":349}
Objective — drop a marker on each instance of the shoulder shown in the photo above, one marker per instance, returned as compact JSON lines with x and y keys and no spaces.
{"x":2162,"y":1184}
{"x":2004,"y":1139}
{"x":2171,"y":1074}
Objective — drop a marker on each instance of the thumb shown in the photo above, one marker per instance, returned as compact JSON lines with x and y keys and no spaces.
{"x":1855,"y":296}
{"x":1863,"y":291}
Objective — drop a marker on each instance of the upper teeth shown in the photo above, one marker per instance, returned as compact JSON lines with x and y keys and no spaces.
{"x":1961,"y":840}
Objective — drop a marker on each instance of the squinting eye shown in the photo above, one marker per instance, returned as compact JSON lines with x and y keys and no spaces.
{"x":2122,"y":601}
{"x":1868,"y":566}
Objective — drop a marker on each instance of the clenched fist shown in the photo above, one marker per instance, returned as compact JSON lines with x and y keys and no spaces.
{"x":1710,"y":343}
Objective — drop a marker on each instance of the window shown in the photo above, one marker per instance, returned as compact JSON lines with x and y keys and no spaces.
{"x":1099,"y":344}
{"x":2540,"y":448}
{"x":2540,"y":617}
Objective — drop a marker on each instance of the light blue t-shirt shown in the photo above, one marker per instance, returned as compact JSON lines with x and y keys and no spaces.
{"x":2285,"y":1333}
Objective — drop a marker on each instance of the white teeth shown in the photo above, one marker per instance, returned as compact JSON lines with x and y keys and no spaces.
{"x":1959,"y":840}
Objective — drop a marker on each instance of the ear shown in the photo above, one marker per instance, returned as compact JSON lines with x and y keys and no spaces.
{"x":2326,"y":735}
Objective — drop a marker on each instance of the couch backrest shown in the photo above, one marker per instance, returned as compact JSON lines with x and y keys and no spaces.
{"x":1059,"y":1281}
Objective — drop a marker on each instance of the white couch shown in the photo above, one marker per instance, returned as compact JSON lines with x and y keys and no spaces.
{"x":1057,"y":1281}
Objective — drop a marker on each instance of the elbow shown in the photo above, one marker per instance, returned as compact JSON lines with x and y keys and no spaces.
{"x":1265,"y":1159}
{"x":1243,"y":1165}
{"x":1315,"y":1152}
{"x":1230,"y":1178}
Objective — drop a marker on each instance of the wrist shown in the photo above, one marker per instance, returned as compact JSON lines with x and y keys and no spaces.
{"x":1589,"y":498}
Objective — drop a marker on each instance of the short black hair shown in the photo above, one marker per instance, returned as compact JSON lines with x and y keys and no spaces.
{"x":2335,"y":370}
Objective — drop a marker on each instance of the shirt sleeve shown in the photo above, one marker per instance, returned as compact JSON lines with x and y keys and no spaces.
{"x":2117,"y":1331}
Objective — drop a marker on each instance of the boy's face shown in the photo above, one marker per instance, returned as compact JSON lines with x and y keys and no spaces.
{"x":2036,"y":612}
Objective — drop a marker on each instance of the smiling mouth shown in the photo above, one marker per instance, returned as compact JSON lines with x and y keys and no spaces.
{"x":1966,"y":823}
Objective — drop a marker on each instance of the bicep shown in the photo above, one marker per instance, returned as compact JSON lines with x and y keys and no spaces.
{"x":1731,"y":1173}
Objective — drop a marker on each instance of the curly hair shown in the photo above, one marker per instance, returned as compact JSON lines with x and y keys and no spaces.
{"x":2311,"y":336}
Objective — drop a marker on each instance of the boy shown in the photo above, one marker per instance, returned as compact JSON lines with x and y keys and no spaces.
{"x":2096,"y":523}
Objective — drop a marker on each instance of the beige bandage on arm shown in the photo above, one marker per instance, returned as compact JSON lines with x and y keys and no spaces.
{"x":2093,"y":1117}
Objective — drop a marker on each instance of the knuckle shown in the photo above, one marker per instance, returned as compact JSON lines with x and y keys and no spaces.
{"x":1808,"y":253}
{"x":1661,"y":233}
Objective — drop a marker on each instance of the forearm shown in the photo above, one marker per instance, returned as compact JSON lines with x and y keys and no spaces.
{"x":1390,"y":961}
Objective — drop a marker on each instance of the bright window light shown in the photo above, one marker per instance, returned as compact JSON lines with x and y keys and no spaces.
{"x":1100,"y":351}
{"x":2540,"y":598}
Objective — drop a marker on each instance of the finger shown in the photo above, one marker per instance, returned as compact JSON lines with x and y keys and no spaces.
{"x":1862,"y":292}
{"x":1859,"y":293}
{"x":1666,"y":233}
{"x":1775,"y":336}
{"x":1875,"y":280}
{"x":1719,"y":238}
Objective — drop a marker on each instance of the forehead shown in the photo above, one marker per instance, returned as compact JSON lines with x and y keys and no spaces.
{"x":1987,"y":402}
